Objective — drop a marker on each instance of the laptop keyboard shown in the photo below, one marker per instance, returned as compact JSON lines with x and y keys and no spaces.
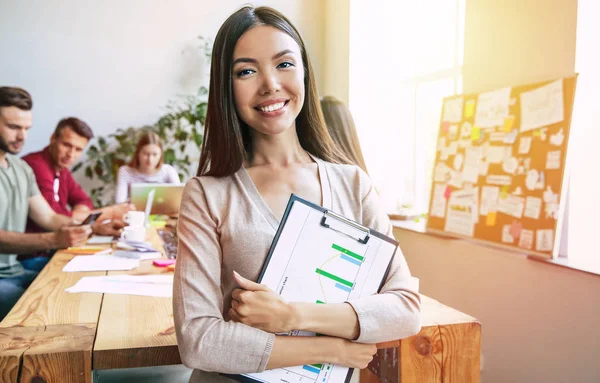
{"x":169,"y":242}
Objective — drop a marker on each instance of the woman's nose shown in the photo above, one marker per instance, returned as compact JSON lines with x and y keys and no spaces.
{"x":270,"y":83}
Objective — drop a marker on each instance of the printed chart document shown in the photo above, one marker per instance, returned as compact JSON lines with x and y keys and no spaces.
{"x":320,"y":257}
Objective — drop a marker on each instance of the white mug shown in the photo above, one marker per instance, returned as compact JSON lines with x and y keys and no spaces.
{"x":134,"y":234}
{"x":135,"y":218}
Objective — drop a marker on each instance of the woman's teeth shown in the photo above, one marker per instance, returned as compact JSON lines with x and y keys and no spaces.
{"x":272,"y":107}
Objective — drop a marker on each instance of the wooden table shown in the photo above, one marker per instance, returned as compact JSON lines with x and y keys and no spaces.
{"x":55,"y":336}
{"x":447,"y":349}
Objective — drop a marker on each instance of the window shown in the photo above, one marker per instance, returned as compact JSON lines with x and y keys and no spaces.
{"x":405,"y":57}
{"x":584,"y":156}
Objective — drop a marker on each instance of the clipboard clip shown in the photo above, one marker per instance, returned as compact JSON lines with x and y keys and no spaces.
{"x":358,"y":232}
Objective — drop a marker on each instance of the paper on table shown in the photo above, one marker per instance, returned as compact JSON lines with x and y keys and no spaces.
{"x":88,"y":250}
{"x":147,"y":285}
{"x":100,"y":240}
{"x":141,"y":255}
{"x":100,"y":263}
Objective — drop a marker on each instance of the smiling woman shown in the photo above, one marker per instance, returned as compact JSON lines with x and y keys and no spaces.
{"x":250,"y":79}
{"x":265,"y":138}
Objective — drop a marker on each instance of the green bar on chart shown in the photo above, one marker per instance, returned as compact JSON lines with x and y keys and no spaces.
{"x":334,"y":277}
{"x":347,"y":252}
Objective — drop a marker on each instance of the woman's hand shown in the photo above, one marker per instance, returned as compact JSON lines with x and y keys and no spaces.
{"x":258,"y":306}
{"x":355,"y":355}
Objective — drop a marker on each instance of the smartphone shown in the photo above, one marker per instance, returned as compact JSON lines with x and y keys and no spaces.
{"x":90,"y":219}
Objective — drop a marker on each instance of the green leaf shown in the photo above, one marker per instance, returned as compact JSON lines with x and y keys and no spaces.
{"x":198,"y":140}
{"x":102,"y":143}
{"x":88,"y":172}
{"x":181,"y":135}
{"x":169,"y":156}
{"x":77,"y":167}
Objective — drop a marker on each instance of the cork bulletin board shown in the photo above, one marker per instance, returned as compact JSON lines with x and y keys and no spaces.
{"x":500,"y":168}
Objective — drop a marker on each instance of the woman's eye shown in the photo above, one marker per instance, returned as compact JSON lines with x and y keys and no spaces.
{"x":245,"y":72}
{"x":285,"y":64}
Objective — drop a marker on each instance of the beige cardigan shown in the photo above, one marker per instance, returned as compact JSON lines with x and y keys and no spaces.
{"x":225,"y":225}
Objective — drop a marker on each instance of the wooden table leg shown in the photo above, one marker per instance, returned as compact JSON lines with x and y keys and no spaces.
{"x":438,"y":354}
{"x":61,"y":353}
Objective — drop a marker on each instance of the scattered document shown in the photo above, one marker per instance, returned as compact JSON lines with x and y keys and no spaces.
{"x":88,"y":250}
{"x":100,"y":263}
{"x":146,"y":285}
{"x":100,"y":240}
{"x":141,"y":255}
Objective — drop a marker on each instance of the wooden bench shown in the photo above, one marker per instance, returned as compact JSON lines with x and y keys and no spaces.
{"x":55,"y":336}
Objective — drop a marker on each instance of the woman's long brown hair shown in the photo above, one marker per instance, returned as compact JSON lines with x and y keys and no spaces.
{"x":227,"y":139}
{"x":342,"y":129}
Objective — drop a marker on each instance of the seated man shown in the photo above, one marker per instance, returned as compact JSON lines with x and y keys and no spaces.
{"x":19,"y":198}
{"x":57,"y":185}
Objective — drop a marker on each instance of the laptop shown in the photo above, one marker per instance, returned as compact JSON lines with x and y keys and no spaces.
{"x":156,"y":198}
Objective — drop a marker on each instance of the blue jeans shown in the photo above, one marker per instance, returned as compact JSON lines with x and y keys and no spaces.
{"x":12,"y":288}
{"x":35,"y":264}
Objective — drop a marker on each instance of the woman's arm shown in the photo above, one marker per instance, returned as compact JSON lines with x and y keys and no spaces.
{"x":258,"y":306}
{"x":122,"y":185}
{"x":172,"y":176}
{"x":392,"y":314}
{"x":300,"y":350}
{"x":206,"y":341}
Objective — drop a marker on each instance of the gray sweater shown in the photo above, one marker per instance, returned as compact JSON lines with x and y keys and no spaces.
{"x":225,"y":225}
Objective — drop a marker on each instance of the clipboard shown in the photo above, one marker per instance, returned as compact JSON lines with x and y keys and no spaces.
{"x":319,"y":256}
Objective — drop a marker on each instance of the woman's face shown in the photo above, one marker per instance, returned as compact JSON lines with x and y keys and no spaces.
{"x":149,"y":157}
{"x":268,"y":80}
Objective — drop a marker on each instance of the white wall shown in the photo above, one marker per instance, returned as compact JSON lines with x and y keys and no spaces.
{"x":117,"y":63}
{"x":539,"y":321}
{"x":584,"y":211}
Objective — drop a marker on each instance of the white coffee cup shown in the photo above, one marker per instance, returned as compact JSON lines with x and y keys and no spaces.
{"x":135,"y":218}
{"x":134,"y":234}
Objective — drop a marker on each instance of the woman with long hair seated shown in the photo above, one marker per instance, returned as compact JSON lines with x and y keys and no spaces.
{"x":146,"y":166}
{"x":342,"y":130}
{"x":265,"y":138}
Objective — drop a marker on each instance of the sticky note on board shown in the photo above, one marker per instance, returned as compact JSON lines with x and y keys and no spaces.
{"x":509,"y":121}
{"x":447,"y":192}
{"x":491,"y":218}
{"x":475,"y":133}
{"x":515,"y":229}
{"x":470,"y":108}
{"x":445,"y":126}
